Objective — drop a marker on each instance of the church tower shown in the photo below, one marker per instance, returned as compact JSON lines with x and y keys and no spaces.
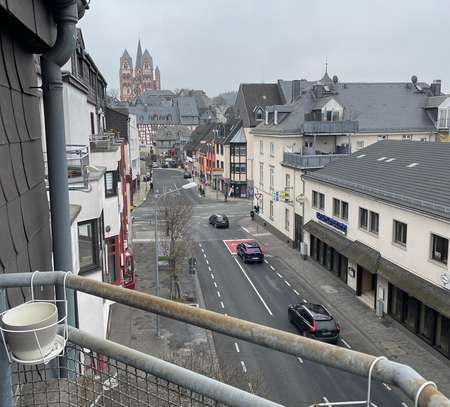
{"x":147,"y":71}
{"x":157,"y":79}
{"x":126,"y":76}
{"x":138,"y":74}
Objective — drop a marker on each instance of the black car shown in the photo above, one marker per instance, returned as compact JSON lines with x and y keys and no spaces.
{"x":314,"y":321}
{"x":187,"y":174}
{"x":219,"y":221}
{"x":250,"y":252}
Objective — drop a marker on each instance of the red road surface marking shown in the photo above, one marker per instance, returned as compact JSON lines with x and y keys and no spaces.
{"x":232,"y":244}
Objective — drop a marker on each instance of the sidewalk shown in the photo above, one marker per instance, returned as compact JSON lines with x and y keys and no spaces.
{"x":366,"y":332}
{"x":215,"y":195}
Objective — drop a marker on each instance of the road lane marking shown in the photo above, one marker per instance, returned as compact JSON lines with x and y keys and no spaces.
{"x":222,"y":305}
{"x":203,"y":251}
{"x":245,"y":229}
{"x":215,"y":284}
{"x":387,"y":386}
{"x":212,"y":276}
{"x":209,"y":268}
{"x":237,"y":347}
{"x":204,"y":255}
{"x":218,"y":294}
{"x":253,"y":286}
{"x":296,"y":292}
{"x":299,"y":359}
{"x":287,"y":283}
{"x":404,"y":404}
{"x":244,"y":368}
{"x":327,"y":401}
{"x":272,"y":267}
{"x":207,"y":262}
{"x":200,"y":245}
{"x":279,"y":275}
{"x":345,"y":343}
{"x":305,"y":302}
{"x":265,"y":261}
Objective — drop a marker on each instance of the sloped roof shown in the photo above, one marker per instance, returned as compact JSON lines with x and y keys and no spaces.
{"x":416,"y":178}
{"x":127,"y":56}
{"x":239,"y":137}
{"x":147,"y":55}
{"x":435,"y":101}
{"x":187,"y":106}
{"x":139,"y":55}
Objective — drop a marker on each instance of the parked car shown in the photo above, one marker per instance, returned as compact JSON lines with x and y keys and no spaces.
{"x":219,"y":221}
{"x":187,"y":174}
{"x":155,"y":165}
{"x":314,"y":321}
{"x":250,"y":252}
{"x":165,"y":165}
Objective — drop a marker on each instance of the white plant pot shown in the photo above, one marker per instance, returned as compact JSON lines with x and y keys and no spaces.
{"x":29,"y":317}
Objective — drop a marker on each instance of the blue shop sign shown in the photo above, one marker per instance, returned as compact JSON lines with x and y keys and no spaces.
{"x":342,"y":227}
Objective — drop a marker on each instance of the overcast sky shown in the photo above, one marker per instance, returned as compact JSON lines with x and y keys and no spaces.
{"x":215,"y":45}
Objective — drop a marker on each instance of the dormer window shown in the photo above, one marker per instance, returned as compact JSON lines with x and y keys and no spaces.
{"x":444,"y":118}
{"x":259,"y":115}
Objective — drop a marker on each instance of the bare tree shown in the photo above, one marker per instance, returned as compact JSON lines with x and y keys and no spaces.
{"x":176,"y":213}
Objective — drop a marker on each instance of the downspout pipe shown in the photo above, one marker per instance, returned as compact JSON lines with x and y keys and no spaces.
{"x":66,"y":16}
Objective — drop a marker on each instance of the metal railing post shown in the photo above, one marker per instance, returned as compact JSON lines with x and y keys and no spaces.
{"x":157,"y":262}
{"x":6,"y":396}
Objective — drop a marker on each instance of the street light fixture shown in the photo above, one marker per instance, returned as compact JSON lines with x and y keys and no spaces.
{"x":189,"y":185}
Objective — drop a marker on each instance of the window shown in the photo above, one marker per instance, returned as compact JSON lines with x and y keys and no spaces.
{"x":318,"y":200}
{"x":271,"y":177}
{"x":374,"y":222}
{"x":400,"y":232}
{"x":286,"y":219}
{"x":111,"y":179}
{"x":217,"y":149}
{"x":363,"y":218}
{"x":272,"y":149}
{"x":288,"y":181}
{"x":271,"y":210}
{"x":439,"y":248}
{"x":261,"y":147}
{"x":340,"y":209}
{"x":88,"y":245}
{"x":444,"y":118}
{"x":221,"y":149}
{"x":92,"y":123}
{"x":111,"y":245}
{"x":217,"y":163}
{"x":360,"y":144}
{"x":221,"y":164}
{"x":261,"y":174}
{"x":406,"y":137}
{"x":259,"y":115}
{"x":335,"y":116}
{"x":329,"y":115}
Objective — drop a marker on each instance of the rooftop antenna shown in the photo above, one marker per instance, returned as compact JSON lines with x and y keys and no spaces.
{"x":326,"y":64}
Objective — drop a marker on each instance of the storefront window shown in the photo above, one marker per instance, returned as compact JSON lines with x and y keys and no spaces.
{"x":427,"y":324}
{"x":397,"y":301}
{"x":412,"y":314}
{"x":443,"y":335}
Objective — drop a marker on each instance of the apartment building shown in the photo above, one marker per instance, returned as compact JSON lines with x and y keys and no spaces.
{"x":380,"y":221}
{"x":325,"y":121}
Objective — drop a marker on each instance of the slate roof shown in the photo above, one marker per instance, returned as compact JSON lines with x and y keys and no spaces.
{"x":187,"y":106}
{"x":239,"y":137}
{"x":147,"y":55}
{"x":378,"y":107}
{"x":139,"y":56}
{"x":424,"y":187}
{"x":127,"y":56}
{"x":435,"y":101}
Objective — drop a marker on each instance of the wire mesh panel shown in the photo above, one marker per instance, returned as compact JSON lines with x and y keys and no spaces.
{"x":97,"y":381}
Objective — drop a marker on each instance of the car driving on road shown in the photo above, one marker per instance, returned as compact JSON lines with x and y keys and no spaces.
{"x":314,"y":321}
{"x":219,"y":221}
{"x":250,"y":252}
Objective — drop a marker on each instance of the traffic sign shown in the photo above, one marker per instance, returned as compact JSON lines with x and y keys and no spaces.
{"x":258,"y":195}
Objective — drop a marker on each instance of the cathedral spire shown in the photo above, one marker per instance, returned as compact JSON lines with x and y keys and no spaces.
{"x":139,"y":56}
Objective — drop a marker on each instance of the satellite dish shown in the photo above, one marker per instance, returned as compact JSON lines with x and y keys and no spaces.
{"x":414,"y":79}
{"x":335,"y":79}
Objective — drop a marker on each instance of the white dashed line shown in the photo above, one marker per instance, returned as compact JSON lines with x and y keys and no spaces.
{"x":299,"y":359}
{"x":204,"y":255}
{"x":404,"y":404}
{"x":279,"y":275}
{"x":209,"y":268}
{"x":237,"y":347}
{"x":203,"y":251}
{"x":212,"y":276}
{"x":272,"y":267}
{"x":207,"y":262}
{"x":265,"y":261}
{"x":327,"y":401}
{"x":253,"y":286}
{"x":387,"y":386}
{"x":218,"y":294}
{"x":222,"y":305}
{"x":215,"y":284}
{"x":244,"y":368}
{"x":245,"y":229}
{"x":287,"y":283}
{"x":304,"y":301}
{"x":199,"y":245}
{"x":296,"y":292}
{"x":345,"y":343}
{"x":373,"y":404}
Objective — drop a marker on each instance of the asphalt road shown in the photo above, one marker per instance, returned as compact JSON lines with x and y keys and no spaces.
{"x":260,"y":293}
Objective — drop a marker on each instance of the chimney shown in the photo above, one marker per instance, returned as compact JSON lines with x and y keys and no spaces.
{"x":275,"y":117}
{"x":296,"y":91}
{"x":267,"y":117}
{"x":436,"y":87}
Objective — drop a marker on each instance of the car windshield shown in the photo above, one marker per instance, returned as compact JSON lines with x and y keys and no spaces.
{"x":253,"y":250}
{"x":326,"y":325}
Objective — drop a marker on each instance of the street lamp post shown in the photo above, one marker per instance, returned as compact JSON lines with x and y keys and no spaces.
{"x":189,"y":185}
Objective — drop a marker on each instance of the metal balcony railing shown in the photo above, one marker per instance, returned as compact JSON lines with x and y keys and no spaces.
{"x":309,"y":161}
{"x":124,"y":377}
{"x":104,"y":141}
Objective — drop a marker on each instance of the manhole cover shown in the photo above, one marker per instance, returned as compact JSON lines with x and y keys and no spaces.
{"x":328,"y":289}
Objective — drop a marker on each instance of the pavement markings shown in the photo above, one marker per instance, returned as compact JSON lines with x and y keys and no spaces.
{"x":200,"y":245}
{"x":304,"y":301}
{"x":245,"y":229}
{"x":279,"y":275}
{"x":244,"y":368}
{"x":265,"y":261}
{"x":209,"y":268}
{"x":404,"y":404}
{"x":287,"y":283}
{"x":212,"y":276}
{"x":345,"y":343}
{"x":299,"y":359}
{"x":218,"y":294}
{"x":387,"y":386}
{"x":221,"y":304}
{"x":207,"y":262}
{"x":296,"y":292}
{"x":272,"y":267}
{"x":203,"y":250}
{"x":237,"y":347}
{"x":327,"y":401}
{"x":215,"y":284}
{"x":204,"y":255}
{"x":253,"y":286}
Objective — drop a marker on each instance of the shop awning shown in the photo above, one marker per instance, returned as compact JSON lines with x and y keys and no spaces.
{"x":364,"y":255}
{"x":430,"y":294}
{"x":333,"y":239}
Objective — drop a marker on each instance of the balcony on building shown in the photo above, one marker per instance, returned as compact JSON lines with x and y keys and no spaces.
{"x":338,"y":128}
{"x":310,"y":161}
